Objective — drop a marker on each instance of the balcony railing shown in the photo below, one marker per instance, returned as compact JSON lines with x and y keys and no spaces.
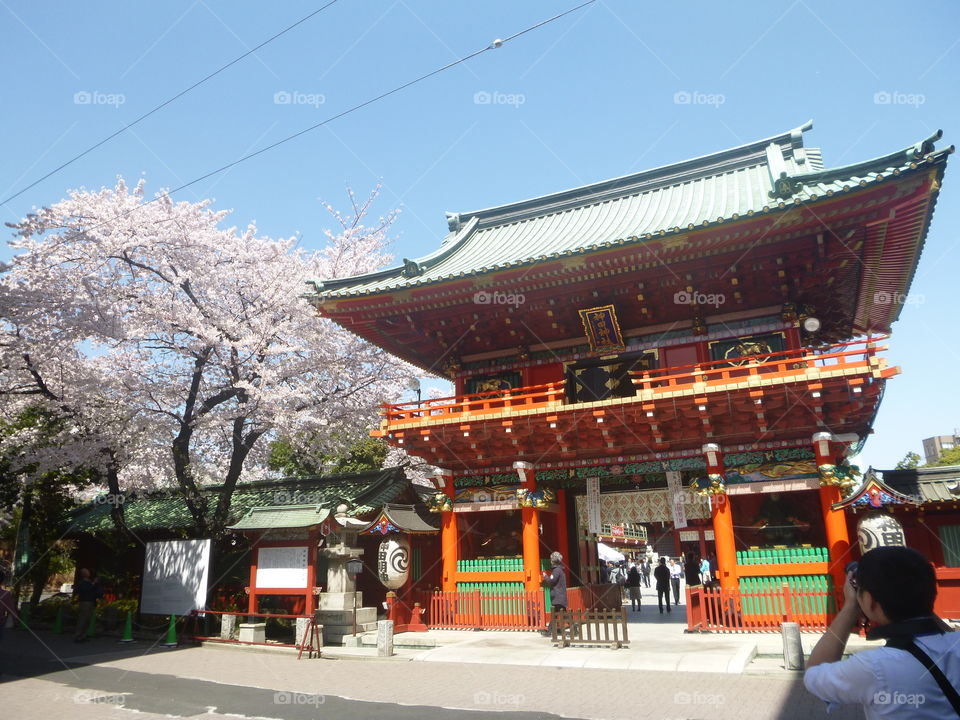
{"x":854,"y":357}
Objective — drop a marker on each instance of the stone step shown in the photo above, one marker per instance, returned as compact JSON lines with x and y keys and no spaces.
{"x":345,"y":617}
{"x":340,"y":633}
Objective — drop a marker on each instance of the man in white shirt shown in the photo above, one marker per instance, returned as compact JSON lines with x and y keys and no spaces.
{"x":895,"y":588}
{"x":676,"y":570}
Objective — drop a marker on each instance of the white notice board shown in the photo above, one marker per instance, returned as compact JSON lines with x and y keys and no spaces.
{"x":282,"y":567}
{"x":175,"y":576}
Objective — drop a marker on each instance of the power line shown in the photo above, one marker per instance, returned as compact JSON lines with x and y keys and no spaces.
{"x":166,"y":102}
{"x":492,"y":46}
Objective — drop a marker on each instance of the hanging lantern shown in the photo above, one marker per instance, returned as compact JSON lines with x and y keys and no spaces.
{"x":878,"y":529}
{"x":393,"y":561}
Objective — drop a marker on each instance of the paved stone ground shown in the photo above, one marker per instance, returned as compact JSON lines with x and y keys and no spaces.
{"x":53,"y":678}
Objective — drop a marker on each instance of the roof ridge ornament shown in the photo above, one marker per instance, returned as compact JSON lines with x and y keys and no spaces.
{"x":924,"y":147}
{"x":453,"y":222}
{"x":785,"y":186}
{"x":411,"y":268}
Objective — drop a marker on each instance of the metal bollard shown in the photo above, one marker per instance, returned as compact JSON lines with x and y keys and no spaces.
{"x":792,"y":647}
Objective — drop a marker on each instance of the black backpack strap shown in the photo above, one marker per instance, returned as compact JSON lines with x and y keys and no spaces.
{"x":952,"y":695}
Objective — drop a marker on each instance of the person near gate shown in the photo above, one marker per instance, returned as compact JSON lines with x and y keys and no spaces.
{"x":704,"y":571}
{"x":661,"y":578}
{"x":894,"y":588}
{"x":691,"y":570}
{"x":645,"y":570}
{"x":88,"y":592}
{"x":556,"y":580}
{"x":676,"y":572}
{"x":633,"y":588}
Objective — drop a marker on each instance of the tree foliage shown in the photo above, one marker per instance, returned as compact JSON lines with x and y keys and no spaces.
{"x":173,"y":347}
{"x":909,"y":462}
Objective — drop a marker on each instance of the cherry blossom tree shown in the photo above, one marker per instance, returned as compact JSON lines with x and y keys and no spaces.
{"x":175,"y":348}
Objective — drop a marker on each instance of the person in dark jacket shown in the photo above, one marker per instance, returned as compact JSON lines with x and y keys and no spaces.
{"x":645,"y":570}
{"x":691,"y":570}
{"x":633,"y":588}
{"x":662,"y":577}
{"x":88,"y":592}
{"x":556,"y":580}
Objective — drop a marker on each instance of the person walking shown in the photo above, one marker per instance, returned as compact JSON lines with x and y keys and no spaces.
{"x":704,"y":571}
{"x":691,"y":570}
{"x":556,"y":580}
{"x":661,"y":578}
{"x":895,"y":588}
{"x":676,"y":572}
{"x":633,"y":588}
{"x":645,"y":571}
{"x":87,"y":592}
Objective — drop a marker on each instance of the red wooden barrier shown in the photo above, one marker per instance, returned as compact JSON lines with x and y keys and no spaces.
{"x":487,"y":611}
{"x":715,"y":610}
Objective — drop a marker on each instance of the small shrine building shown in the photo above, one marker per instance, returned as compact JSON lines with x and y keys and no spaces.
{"x":697,"y":348}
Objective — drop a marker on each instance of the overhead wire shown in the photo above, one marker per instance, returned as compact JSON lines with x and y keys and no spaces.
{"x":166,"y":102}
{"x":492,"y":46}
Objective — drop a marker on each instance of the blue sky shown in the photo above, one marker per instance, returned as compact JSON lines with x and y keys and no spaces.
{"x":597,"y":94}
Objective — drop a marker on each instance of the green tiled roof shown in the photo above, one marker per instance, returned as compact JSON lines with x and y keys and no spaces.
{"x":166,"y":510}
{"x":764,"y":175}
{"x":929,"y":485}
{"x":293,"y":516}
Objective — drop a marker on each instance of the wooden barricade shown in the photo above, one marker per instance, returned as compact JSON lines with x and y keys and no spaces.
{"x":486,"y":610}
{"x":590,"y":627}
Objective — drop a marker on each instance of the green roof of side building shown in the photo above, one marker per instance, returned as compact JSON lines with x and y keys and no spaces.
{"x":167,"y":510}
{"x":773,"y":173}
{"x":928,"y":485}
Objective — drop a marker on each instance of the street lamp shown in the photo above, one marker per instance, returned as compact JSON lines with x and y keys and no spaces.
{"x":414,"y":386}
{"x":354,"y":568}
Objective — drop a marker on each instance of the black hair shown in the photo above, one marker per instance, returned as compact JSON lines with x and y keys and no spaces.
{"x":900,"y":579}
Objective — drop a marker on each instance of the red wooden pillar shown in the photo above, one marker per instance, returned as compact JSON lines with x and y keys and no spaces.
{"x":531,"y":530}
{"x":723,"y":534}
{"x":310,"y":599}
{"x":449,"y":538}
{"x":563,"y":532}
{"x":834,"y":521}
{"x":254,"y":559}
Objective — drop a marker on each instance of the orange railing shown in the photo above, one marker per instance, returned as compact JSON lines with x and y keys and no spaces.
{"x":716,"y":610}
{"x":477,"y":403}
{"x":489,"y":611}
{"x":786,"y":365}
